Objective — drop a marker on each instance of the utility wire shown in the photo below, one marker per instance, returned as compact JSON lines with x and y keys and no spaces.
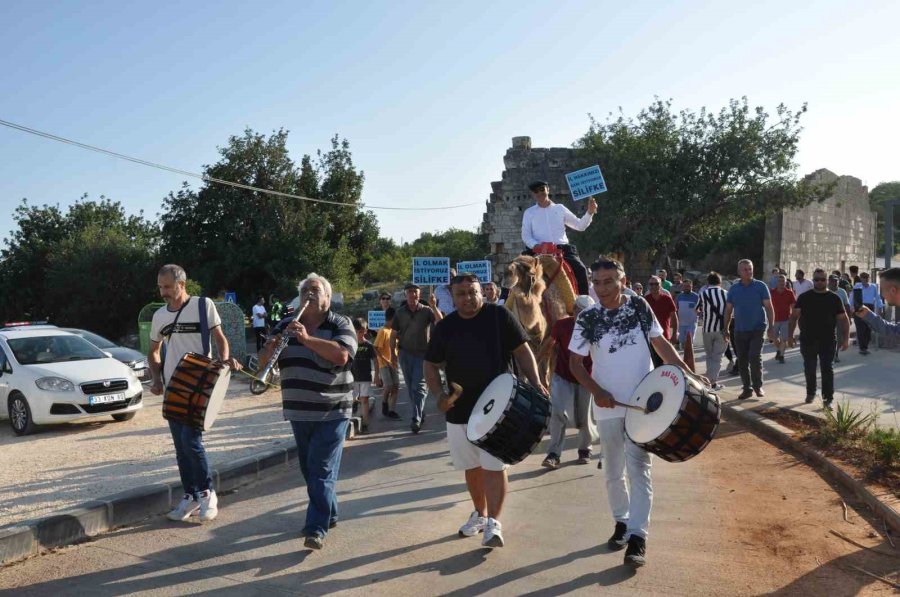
{"x":210,"y":179}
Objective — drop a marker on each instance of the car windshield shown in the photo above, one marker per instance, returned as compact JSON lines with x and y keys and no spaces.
{"x":98,"y":341}
{"x":53,"y":349}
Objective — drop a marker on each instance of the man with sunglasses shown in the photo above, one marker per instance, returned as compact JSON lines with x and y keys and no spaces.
{"x":475,"y":344}
{"x":619,"y":334}
{"x":818,"y":312}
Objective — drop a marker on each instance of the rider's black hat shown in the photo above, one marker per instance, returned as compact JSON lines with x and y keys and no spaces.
{"x":537,"y":185}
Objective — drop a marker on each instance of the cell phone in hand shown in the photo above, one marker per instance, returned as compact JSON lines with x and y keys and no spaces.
{"x":857,"y":299}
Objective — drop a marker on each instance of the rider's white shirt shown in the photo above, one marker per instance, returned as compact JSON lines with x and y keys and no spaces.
{"x":548,"y":224}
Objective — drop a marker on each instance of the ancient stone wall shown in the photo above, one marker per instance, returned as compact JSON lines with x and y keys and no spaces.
{"x":510,"y":196}
{"x":834,"y":234}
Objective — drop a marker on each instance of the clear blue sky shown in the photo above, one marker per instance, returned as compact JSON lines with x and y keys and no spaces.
{"x":429,"y":94}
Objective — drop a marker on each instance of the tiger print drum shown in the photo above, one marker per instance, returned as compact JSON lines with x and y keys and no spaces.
{"x":196,"y":391}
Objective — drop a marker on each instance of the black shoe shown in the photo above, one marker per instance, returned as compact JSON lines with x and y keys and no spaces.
{"x":745,"y":394}
{"x":617,"y":541}
{"x":415,"y":427}
{"x":314,"y":542}
{"x":384,"y":409}
{"x":827,"y":401}
{"x":863,"y":352}
{"x":809,"y":399}
{"x":760,"y":392}
{"x":636,"y":553}
{"x":332,"y":523}
{"x":584,"y":457}
{"x":393,"y":415}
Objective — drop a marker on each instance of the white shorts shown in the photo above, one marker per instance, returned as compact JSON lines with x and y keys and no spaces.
{"x":466,"y":455}
{"x":362,"y":388}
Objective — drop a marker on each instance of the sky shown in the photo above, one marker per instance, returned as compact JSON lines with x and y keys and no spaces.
{"x":429,"y":94}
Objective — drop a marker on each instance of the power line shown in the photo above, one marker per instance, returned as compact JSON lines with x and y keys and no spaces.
{"x":210,"y":179}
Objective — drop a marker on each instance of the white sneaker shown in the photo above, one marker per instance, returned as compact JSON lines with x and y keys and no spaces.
{"x":187,"y":507}
{"x":474,"y":526}
{"x":209,"y":505}
{"x":493,"y":534}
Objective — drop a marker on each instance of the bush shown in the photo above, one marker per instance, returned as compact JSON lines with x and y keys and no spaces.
{"x":885,"y":443}
{"x":844,"y":423}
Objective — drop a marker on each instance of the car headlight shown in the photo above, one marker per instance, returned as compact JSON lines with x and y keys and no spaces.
{"x":55,"y":384}
{"x":139,"y":364}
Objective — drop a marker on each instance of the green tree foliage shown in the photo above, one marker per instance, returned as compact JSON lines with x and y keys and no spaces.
{"x":883,"y":192}
{"x":391,"y":262}
{"x":676,"y":178}
{"x":91,"y":267}
{"x":251,"y":242}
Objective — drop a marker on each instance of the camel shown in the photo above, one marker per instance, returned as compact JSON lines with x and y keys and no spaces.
{"x":538,"y":297}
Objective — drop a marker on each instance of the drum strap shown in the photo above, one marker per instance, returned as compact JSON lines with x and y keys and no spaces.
{"x":640,"y":307}
{"x":204,"y":326}
{"x":162,"y":350}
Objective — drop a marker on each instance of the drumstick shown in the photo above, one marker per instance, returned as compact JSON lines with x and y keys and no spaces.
{"x":455,"y":393}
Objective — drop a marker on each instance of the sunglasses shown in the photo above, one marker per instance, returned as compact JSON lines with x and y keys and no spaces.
{"x":819,"y":280}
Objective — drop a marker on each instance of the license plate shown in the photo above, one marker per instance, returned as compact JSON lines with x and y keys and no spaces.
{"x":106,"y":398}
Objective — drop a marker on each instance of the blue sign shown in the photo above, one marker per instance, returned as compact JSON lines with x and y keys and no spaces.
{"x":585,"y":183}
{"x":376,"y":320}
{"x":431,"y":271}
{"x":231,"y":297}
{"x":481,"y":268}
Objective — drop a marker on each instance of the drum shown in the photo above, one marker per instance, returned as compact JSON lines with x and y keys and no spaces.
{"x":681,"y":414}
{"x":196,"y":391}
{"x":509,"y":419}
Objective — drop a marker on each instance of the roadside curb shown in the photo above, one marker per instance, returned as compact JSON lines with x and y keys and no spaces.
{"x":783,"y":437}
{"x":73,"y":525}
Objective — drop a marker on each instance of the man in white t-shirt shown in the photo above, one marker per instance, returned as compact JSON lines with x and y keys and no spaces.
{"x":617,"y":334}
{"x":259,"y":322}
{"x":186,"y":324}
{"x":546,"y":222}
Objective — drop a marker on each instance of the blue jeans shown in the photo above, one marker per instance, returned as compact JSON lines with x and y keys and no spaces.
{"x":319,"y":446}
{"x":191,"y":456}
{"x":413,"y":368}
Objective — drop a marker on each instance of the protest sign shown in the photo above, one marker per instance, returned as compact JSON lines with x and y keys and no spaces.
{"x":481,"y":268}
{"x":586,"y":182}
{"x":376,"y":320}
{"x":431,"y":271}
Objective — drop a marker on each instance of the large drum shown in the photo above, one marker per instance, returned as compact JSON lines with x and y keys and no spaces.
{"x":681,"y":414}
{"x":509,"y":419}
{"x":196,"y":391}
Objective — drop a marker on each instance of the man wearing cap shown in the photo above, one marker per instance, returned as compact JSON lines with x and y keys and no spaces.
{"x":413,"y":322}
{"x":567,"y":396}
{"x":546,"y":221}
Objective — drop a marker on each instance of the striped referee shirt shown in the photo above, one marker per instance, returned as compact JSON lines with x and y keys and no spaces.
{"x":313,"y":389}
{"x":712,"y":305}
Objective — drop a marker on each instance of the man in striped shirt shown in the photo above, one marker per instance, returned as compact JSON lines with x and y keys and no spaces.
{"x":317,"y":397}
{"x":712,"y":308}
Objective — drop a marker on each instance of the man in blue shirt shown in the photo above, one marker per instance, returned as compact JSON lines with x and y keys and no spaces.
{"x":890,"y":286}
{"x":872,"y":301}
{"x":750,"y":304}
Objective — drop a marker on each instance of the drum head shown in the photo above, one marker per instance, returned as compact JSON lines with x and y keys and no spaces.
{"x":490,"y":406}
{"x":663,"y":388}
{"x":217,"y":398}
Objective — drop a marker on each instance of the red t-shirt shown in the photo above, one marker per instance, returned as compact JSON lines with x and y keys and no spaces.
{"x":663,"y":307}
{"x":562,"y":332}
{"x":782,"y":303}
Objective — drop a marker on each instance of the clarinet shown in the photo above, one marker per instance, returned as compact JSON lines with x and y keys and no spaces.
{"x":273,"y":360}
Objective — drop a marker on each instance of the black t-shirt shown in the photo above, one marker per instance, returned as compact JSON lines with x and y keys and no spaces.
{"x":476,"y":351}
{"x":362,"y":361}
{"x":818,"y":314}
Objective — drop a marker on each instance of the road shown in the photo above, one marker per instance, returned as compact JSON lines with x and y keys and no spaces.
{"x":743,"y":518}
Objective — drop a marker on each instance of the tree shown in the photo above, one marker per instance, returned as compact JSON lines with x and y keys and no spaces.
{"x":252,"y":242}
{"x":91,"y":267}
{"x":886,"y":191}
{"x":391,"y":263}
{"x":675,"y":179}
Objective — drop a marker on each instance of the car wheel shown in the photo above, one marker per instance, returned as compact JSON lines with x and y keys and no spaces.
{"x":20,"y":415}
{"x":121,"y":417}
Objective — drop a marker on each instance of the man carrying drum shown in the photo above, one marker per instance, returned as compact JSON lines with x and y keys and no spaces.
{"x":183,"y":329}
{"x":476,"y":343}
{"x":618,"y":334}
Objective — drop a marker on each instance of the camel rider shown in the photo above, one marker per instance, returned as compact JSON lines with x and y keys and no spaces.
{"x":546,"y":221}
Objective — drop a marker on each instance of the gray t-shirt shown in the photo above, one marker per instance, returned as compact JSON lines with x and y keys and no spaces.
{"x":413,"y":328}
{"x":184,"y":336}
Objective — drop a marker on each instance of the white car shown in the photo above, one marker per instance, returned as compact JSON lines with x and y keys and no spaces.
{"x":51,"y":376}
